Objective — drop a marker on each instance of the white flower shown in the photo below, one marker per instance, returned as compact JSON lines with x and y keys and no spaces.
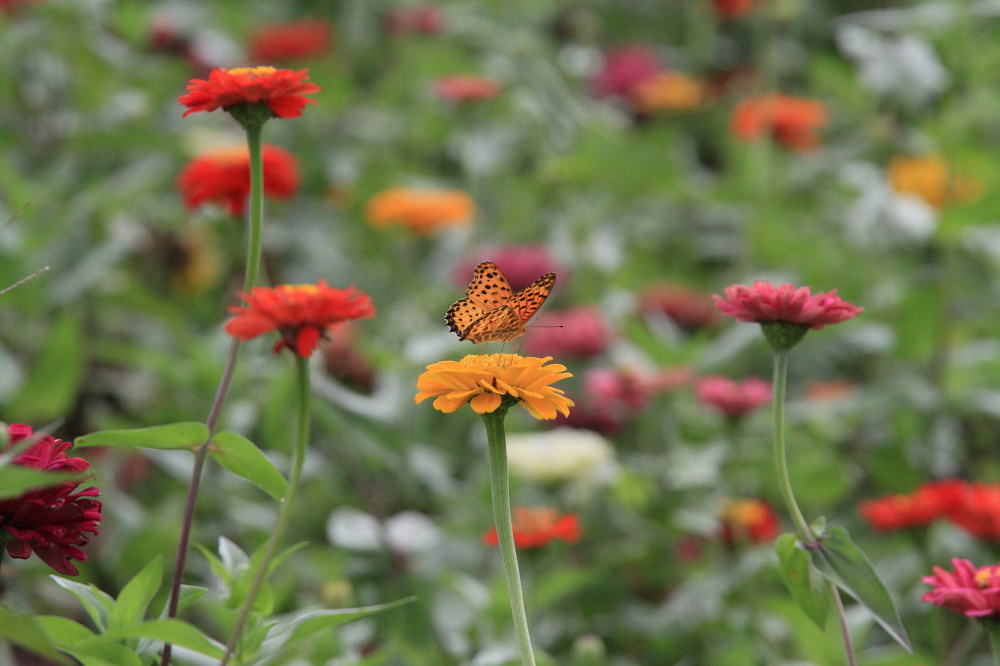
{"x":561,"y":454}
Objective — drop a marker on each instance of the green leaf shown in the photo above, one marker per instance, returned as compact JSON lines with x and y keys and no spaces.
{"x":185,"y":435}
{"x":98,"y":604}
{"x":29,"y":633}
{"x":837,"y":557}
{"x":55,"y":377}
{"x":808,"y":588}
{"x":176,"y":632}
{"x":133,"y":600}
{"x":16,"y":480}
{"x":242,"y":457}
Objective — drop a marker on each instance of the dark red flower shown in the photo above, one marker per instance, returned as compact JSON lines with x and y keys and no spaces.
{"x":923,"y":506}
{"x":536,"y":527}
{"x":223,"y":177}
{"x":51,"y":522}
{"x":281,"y":90}
{"x":291,"y":41}
{"x":733,"y":8}
{"x":748,"y":520}
{"x":301,"y":313}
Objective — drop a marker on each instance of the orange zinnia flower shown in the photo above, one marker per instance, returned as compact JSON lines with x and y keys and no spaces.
{"x":534,"y":528}
{"x":668,"y":91}
{"x":422,"y":211}
{"x":223,"y":177}
{"x":291,"y":41}
{"x":748,"y":520}
{"x":280,"y":90}
{"x":792,"y":121}
{"x":482,"y":380}
{"x":930,"y":178}
{"x":301,"y":313}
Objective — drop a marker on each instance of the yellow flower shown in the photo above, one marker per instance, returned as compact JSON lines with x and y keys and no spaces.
{"x":482,"y":381}
{"x":930,"y":178}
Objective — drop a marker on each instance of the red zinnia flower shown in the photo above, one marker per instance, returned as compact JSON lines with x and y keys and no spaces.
{"x":734,"y":398}
{"x":977,"y":510}
{"x":792,"y":121}
{"x":51,"y":522}
{"x":763,"y":303}
{"x":748,"y":520}
{"x":921,"y":507}
{"x":301,"y":313}
{"x":536,"y":527}
{"x":281,"y":90}
{"x":223,"y":177}
{"x":967,"y":590}
{"x":291,"y":41}
{"x":466,"y":88}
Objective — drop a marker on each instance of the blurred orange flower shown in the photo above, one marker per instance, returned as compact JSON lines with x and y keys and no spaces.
{"x":930,"y":178}
{"x":291,"y":41}
{"x":223,"y":177}
{"x":668,"y":91}
{"x":281,"y":90}
{"x":748,"y":520}
{"x":537,"y":527}
{"x":301,"y":313}
{"x":422,"y":211}
{"x":792,"y":121}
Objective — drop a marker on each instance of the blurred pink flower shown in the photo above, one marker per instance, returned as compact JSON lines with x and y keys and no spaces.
{"x":691,"y":309}
{"x":427,"y":18}
{"x":733,"y":398}
{"x":580,"y":332}
{"x":466,"y":88}
{"x":967,"y":590}
{"x":521,"y":264}
{"x":763,"y":302}
{"x":624,"y":70}
{"x":53,"y":521}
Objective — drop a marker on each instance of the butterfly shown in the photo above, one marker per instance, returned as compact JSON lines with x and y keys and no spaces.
{"x":491,"y":311}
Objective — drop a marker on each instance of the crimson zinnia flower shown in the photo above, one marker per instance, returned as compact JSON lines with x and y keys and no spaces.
{"x":291,"y":41}
{"x":536,"y":527}
{"x":280,"y":90}
{"x":624,"y":70}
{"x":51,"y":522}
{"x":923,"y":506}
{"x":223,"y":177}
{"x":733,"y":398}
{"x":301,"y":313}
{"x":967,"y":590}
{"x":792,"y":121}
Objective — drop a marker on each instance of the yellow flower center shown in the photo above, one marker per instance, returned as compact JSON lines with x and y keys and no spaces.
{"x":490,"y":360}
{"x":988,"y":577}
{"x":309,"y":289}
{"x":253,"y":71}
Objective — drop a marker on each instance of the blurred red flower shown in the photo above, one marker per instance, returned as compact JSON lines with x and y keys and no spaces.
{"x":466,"y":88}
{"x":428,"y":19}
{"x":763,"y":302}
{"x":748,"y":521}
{"x":731,"y":397}
{"x":792,"y":121}
{"x":929,"y":502}
{"x":733,"y":8}
{"x":223,"y":177}
{"x":51,"y":522}
{"x":691,"y":309}
{"x":581,"y":332}
{"x":977,"y":510}
{"x":281,"y":90}
{"x":536,"y":527}
{"x":291,"y":41}
{"x":967,"y":590}
{"x":624,"y":70}
{"x":301,"y":313}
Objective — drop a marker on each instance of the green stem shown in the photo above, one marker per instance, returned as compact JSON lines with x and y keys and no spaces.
{"x":780,"y":458}
{"x":993,"y":631}
{"x":842,"y":620}
{"x":254,"y":233}
{"x":284,"y":511}
{"x":500,"y":488}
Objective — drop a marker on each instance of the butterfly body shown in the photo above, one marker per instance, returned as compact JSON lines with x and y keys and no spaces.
{"x":491,"y":311}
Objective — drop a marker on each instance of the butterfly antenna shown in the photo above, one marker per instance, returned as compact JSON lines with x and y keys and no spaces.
{"x":23,"y":280}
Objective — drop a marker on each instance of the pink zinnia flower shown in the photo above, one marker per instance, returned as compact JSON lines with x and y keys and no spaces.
{"x":466,"y":88}
{"x":624,"y":70}
{"x":579,"y":332}
{"x":51,"y":522}
{"x":967,"y":590}
{"x":734,"y":398}
{"x":689,"y":308}
{"x":763,"y":303}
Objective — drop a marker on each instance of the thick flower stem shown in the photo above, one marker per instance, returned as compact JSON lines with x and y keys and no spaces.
{"x":255,"y":224}
{"x":284,"y":511}
{"x":500,"y":489}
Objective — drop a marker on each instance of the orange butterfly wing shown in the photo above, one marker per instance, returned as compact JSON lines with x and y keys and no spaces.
{"x":490,"y":312}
